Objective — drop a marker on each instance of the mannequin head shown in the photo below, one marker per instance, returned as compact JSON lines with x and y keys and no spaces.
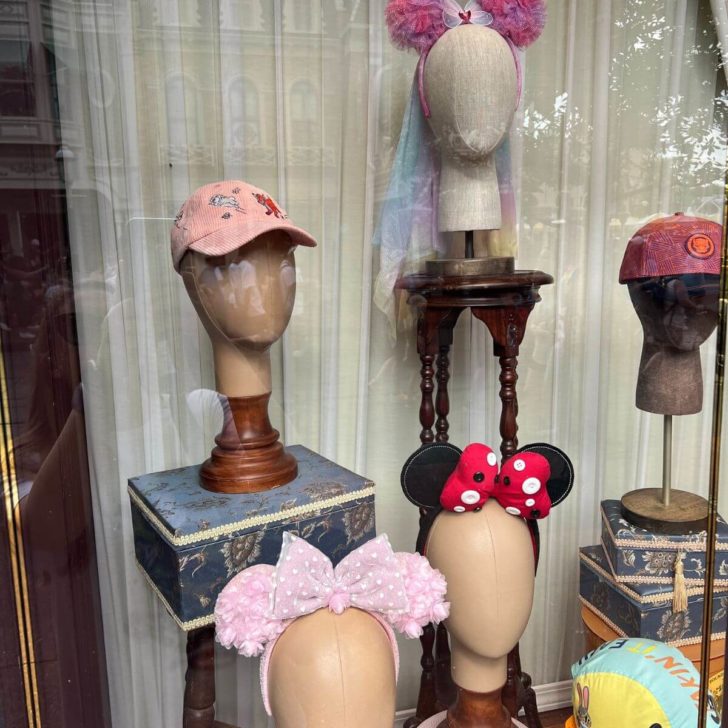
{"x":471,"y":86}
{"x":672,"y":268}
{"x":677,"y":313}
{"x":333,"y":670}
{"x":244,"y":300}
{"x":487,"y":560}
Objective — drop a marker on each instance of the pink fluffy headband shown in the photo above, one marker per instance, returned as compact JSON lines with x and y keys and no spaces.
{"x":418,"y":24}
{"x":400,"y":590}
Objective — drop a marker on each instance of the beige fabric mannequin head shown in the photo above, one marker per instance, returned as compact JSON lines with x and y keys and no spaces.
{"x":487,"y":559}
{"x":245,"y":300}
{"x":331,"y":671}
{"x":471,"y":87}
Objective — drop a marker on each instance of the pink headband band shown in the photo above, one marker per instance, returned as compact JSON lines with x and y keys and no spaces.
{"x":400,"y":590}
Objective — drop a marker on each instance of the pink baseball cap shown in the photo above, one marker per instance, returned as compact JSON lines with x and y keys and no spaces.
{"x":673,"y":245}
{"x":223,"y":216}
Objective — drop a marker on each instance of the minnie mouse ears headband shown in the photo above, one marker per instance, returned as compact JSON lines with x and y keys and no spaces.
{"x":400,"y":590}
{"x":532,"y":481}
{"x":418,"y":24}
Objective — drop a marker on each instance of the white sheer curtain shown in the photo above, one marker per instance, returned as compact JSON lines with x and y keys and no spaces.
{"x":305,"y":99}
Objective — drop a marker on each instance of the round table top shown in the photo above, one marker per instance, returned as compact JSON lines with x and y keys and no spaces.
{"x":430,"y":283}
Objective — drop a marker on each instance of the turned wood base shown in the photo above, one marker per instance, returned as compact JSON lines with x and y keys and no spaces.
{"x":249,"y":456}
{"x":687,"y":512}
{"x":477,"y":710}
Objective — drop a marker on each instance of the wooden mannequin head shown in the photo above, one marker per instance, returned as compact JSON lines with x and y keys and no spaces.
{"x":333,"y":670}
{"x":487,"y":559}
{"x":677,"y":313}
{"x":471,"y":86}
{"x":244,"y":300}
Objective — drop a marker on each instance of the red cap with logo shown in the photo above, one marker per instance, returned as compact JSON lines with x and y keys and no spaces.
{"x":671,"y":246}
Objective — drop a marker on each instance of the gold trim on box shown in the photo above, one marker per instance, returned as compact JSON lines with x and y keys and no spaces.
{"x":212,"y":534}
{"x":186,"y":626}
{"x":650,"y":599}
{"x":636,"y":579}
{"x":17,"y":557}
{"x":662,"y":544}
{"x":676,"y":643}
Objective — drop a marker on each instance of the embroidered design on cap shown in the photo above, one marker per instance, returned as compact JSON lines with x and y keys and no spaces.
{"x":700,"y":246}
{"x":270,"y":206}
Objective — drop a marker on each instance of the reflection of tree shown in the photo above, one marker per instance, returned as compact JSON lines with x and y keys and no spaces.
{"x":663,"y":131}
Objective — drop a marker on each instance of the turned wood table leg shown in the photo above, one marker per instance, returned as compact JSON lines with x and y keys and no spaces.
{"x":199,"y":700}
{"x":442,"y":401}
{"x":509,"y":401}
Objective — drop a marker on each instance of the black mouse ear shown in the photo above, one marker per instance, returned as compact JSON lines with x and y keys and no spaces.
{"x":426,"y":471}
{"x":562,"y":471}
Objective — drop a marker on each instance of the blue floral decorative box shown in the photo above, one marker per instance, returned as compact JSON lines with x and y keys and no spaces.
{"x":637,"y":555}
{"x":189,"y":541}
{"x":644,"y":610}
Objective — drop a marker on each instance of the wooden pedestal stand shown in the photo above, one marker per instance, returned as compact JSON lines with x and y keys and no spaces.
{"x":503,"y":304}
{"x":248,"y":456}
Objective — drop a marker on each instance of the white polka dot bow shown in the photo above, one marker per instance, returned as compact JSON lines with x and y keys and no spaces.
{"x":369,"y":578}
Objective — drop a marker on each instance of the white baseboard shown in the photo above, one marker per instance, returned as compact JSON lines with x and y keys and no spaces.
{"x":551,"y":696}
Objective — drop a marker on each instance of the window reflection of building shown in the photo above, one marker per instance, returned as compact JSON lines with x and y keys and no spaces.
{"x":303,"y":104}
{"x":244,"y":104}
{"x":180,"y":95}
{"x":300,"y":16}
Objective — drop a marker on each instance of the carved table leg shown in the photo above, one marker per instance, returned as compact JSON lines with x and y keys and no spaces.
{"x":427,"y":385}
{"x":199,"y":700}
{"x":509,"y":402}
{"x":442,"y":401}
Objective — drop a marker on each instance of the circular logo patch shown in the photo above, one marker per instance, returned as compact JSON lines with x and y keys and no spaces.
{"x":700,"y":246}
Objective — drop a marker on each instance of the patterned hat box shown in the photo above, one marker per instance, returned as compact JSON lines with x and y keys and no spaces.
{"x":644,"y":610}
{"x":637,"y":555}
{"x":189,"y":542}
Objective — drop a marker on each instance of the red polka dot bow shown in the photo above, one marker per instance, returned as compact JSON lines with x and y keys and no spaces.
{"x":520,"y":486}
{"x":529,"y":484}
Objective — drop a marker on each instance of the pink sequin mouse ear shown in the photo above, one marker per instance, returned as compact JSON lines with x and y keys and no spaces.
{"x":521,"y":21}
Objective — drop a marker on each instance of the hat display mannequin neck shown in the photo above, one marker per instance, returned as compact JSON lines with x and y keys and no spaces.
{"x":245,"y":300}
{"x":487,"y":559}
{"x":677,"y":313}
{"x":333,"y":670}
{"x":471,"y":86}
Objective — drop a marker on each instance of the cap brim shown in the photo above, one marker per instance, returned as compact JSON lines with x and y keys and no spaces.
{"x":225,"y":241}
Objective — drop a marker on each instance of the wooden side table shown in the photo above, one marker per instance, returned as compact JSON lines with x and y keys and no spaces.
{"x":503,"y":303}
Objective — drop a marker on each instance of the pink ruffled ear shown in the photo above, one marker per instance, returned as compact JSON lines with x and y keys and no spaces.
{"x":425,"y":588}
{"x":415,"y":23}
{"x":244,"y":613}
{"x":520,"y":20}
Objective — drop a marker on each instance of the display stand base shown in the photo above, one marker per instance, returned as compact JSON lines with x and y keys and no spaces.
{"x":477,"y":710}
{"x":491,"y":266}
{"x":249,"y":457}
{"x":686,"y":513}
